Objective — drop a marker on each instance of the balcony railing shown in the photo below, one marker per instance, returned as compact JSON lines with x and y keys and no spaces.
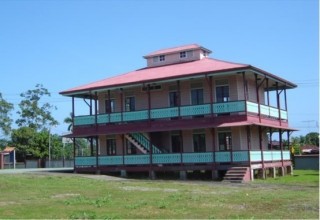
{"x":191,"y":110}
{"x":185,"y":158}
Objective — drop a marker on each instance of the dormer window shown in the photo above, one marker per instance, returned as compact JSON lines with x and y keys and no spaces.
{"x":160,"y":58}
{"x":205,"y":54}
{"x":186,"y":54}
{"x":183,"y":54}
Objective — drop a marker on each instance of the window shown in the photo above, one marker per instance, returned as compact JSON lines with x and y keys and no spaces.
{"x":176,"y":143}
{"x":222,"y":91}
{"x":131,"y":149}
{"x":173,"y":99}
{"x":199,"y":142}
{"x":197,"y":96}
{"x":110,"y":105}
{"x":155,"y":59}
{"x":111,"y":146}
{"x":130,"y":104}
{"x":162,"y":58}
{"x":225,"y":141}
{"x":183,"y":54}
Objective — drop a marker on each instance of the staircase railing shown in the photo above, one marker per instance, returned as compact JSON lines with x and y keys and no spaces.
{"x":145,"y":142}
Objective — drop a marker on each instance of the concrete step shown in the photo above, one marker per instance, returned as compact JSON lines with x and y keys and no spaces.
{"x":236,"y":174}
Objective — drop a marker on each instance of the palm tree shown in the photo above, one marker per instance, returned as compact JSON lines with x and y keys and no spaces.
{"x":68,"y":120}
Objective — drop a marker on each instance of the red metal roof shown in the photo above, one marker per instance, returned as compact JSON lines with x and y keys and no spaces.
{"x":161,"y":73}
{"x":176,"y":49}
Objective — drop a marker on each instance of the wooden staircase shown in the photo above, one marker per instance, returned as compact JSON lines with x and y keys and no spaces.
{"x":237,"y":175}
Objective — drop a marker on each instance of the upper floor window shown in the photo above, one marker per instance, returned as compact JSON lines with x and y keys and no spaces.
{"x":197,"y":96}
{"x":222,"y":91}
{"x":110,"y":105}
{"x":173,"y":98}
{"x":130,"y":104}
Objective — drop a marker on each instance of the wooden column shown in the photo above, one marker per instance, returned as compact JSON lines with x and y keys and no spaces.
{"x":181,"y":148}
{"x":270,"y":138}
{"x":91,"y":146}
{"x":109,"y":106}
{"x":281,"y":145}
{"x":209,"y":81}
{"x":268,"y":97}
{"x":249,"y":147}
{"x":123,"y":149}
{"x":261,"y":147}
{"x":245,"y":91}
{"x":74,"y":152}
{"x":179,"y":98}
{"x":213,"y":135}
{"x":258,"y":96}
{"x":122,"y":103}
{"x":97,"y":155}
{"x":96,"y":108}
{"x":278,"y":102}
{"x":149,"y":103}
{"x":73,"y":113}
{"x":90,"y":107}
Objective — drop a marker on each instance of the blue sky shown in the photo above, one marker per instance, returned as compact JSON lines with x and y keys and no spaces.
{"x":63,"y":44}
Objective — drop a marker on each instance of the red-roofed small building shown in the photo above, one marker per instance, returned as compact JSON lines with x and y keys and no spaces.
{"x":185,"y":112}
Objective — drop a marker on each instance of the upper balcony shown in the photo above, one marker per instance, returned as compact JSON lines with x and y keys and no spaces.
{"x":216,"y":109}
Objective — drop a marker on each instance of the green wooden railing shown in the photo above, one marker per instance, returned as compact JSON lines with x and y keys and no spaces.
{"x":185,"y":158}
{"x":192,"y":110}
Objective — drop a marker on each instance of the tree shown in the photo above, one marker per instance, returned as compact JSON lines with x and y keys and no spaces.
{"x":32,"y":113}
{"x":5,"y":120}
{"x":68,"y":120}
{"x":22,"y":139}
{"x":312,"y":138}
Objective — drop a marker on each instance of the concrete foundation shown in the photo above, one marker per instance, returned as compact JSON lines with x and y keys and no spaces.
{"x":152,"y":175}
{"x":183,"y":175}
{"x":215,"y":174}
{"x":123,"y":173}
{"x":281,"y":171}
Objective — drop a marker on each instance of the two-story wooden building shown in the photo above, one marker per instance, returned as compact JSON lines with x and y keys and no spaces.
{"x":184,"y":112}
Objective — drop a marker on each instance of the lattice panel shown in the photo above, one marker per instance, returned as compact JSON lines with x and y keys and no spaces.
{"x":240,"y":156}
{"x":164,"y":113}
{"x":255,"y":156}
{"x":223,"y":157}
{"x":206,"y":157}
{"x":85,"y":161}
{"x":110,"y":160}
{"x":137,"y":159}
{"x":166,"y":158}
{"x":84,"y":120}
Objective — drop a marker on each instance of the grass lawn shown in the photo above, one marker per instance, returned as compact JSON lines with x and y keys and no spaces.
{"x":41,"y":196}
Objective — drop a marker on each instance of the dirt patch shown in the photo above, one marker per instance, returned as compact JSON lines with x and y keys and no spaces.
{"x":65,"y":195}
{"x":146,"y":189}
